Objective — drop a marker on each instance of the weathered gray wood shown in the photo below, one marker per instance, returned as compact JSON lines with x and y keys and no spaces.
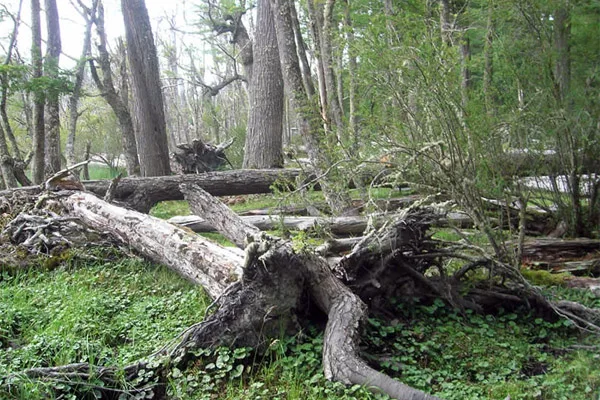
{"x":559,"y":249}
{"x":337,"y":225}
{"x":197,"y":259}
{"x":354,"y":225}
{"x":346,"y":312}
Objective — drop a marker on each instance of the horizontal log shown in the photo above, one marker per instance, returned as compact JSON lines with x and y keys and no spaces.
{"x":141,"y":194}
{"x":338,"y":225}
{"x":344,"y":226}
{"x":549,"y":250}
{"x":197,"y":259}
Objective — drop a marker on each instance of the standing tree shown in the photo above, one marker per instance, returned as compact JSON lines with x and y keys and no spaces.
{"x":151,"y":132}
{"x":263,"y":147}
{"x":116,"y":100}
{"x":260,"y":60}
{"x":39,"y":145}
{"x":309,"y":118}
{"x":53,"y":51}
{"x":87,"y":13}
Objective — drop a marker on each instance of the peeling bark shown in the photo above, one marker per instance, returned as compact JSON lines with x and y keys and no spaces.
{"x":205,"y":263}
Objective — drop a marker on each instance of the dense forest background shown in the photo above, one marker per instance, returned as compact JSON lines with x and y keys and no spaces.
{"x":461,"y":96}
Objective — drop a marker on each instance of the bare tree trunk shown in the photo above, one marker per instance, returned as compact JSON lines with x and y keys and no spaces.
{"x":264,"y":145}
{"x":8,"y":168}
{"x":88,"y":14}
{"x":6,"y":163}
{"x":326,"y":58}
{"x":117,"y":101}
{"x":309,"y":120}
{"x":86,"y":156}
{"x":352,"y":68}
{"x":488,"y":71}
{"x":151,"y":135}
{"x":315,"y":11}
{"x":53,"y":151}
{"x":446,"y":25}
{"x":562,"y":66}
{"x":39,"y":144}
{"x":465,"y":59}
{"x":3,"y":102}
{"x":301,"y":46}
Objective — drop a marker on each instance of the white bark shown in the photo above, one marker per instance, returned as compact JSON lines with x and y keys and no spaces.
{"x":197,"y":259}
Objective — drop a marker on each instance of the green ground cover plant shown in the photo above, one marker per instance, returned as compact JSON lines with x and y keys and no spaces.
{"x":116,"y":309}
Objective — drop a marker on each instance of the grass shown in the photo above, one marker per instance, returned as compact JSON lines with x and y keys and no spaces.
{"x":114,"y":310}
{"x":104,"y":172}
{"x":108,"y":311}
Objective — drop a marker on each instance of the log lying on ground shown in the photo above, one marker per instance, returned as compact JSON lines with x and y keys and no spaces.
{"x":197,"y":259}
{"x":141,"y":194}
{"x":381,"y":205}
{"x":560,"y":249}
{"x":261,"y":305}
{"x":335,"y":225}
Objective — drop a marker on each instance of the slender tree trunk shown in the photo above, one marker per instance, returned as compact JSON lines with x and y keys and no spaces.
{"x":562,"y":67}
{"x":5,"y":85}
{"x":445,"y":23}
{"x":315,"y":11}
{"x":264,"y":146}
{"x":488,"y":71}
{"x":88,"y":14}
{"x":117,"y":101}
{"x":309,"y":120}
{"x":465,"y":53}
{"x":151,"y":135}
{"x":301,"y":47}
{"x":18,"y":165}
{"x":352,"y":68}
{"x":39,"y":145}
{"x":569,"y":141}
{"x":335,"y":108}
{"x":86,"y":156}
{"x":6,"y":162}
{"x":53,"y":151}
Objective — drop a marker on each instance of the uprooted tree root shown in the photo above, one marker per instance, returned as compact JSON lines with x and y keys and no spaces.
{"x":397,"y":261}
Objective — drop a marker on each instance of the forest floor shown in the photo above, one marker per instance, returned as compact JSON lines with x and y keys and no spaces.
{"x":109,"y":307}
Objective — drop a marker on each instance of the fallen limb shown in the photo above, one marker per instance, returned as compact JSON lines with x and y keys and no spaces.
{"x":141,"y":194}
{"x":199,"y":260}
{"x":351,"y":225}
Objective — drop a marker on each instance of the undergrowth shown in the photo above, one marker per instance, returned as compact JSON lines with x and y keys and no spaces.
{"x":113,"y":311}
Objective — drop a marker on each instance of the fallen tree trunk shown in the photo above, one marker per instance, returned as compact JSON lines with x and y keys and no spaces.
{"x":352,"y":225}
{"x":346,"y":312}
{"x":336,"y":225}
{"x":560,"y":249}
{"x":141,"y":194}
{"x":205,"y":263}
